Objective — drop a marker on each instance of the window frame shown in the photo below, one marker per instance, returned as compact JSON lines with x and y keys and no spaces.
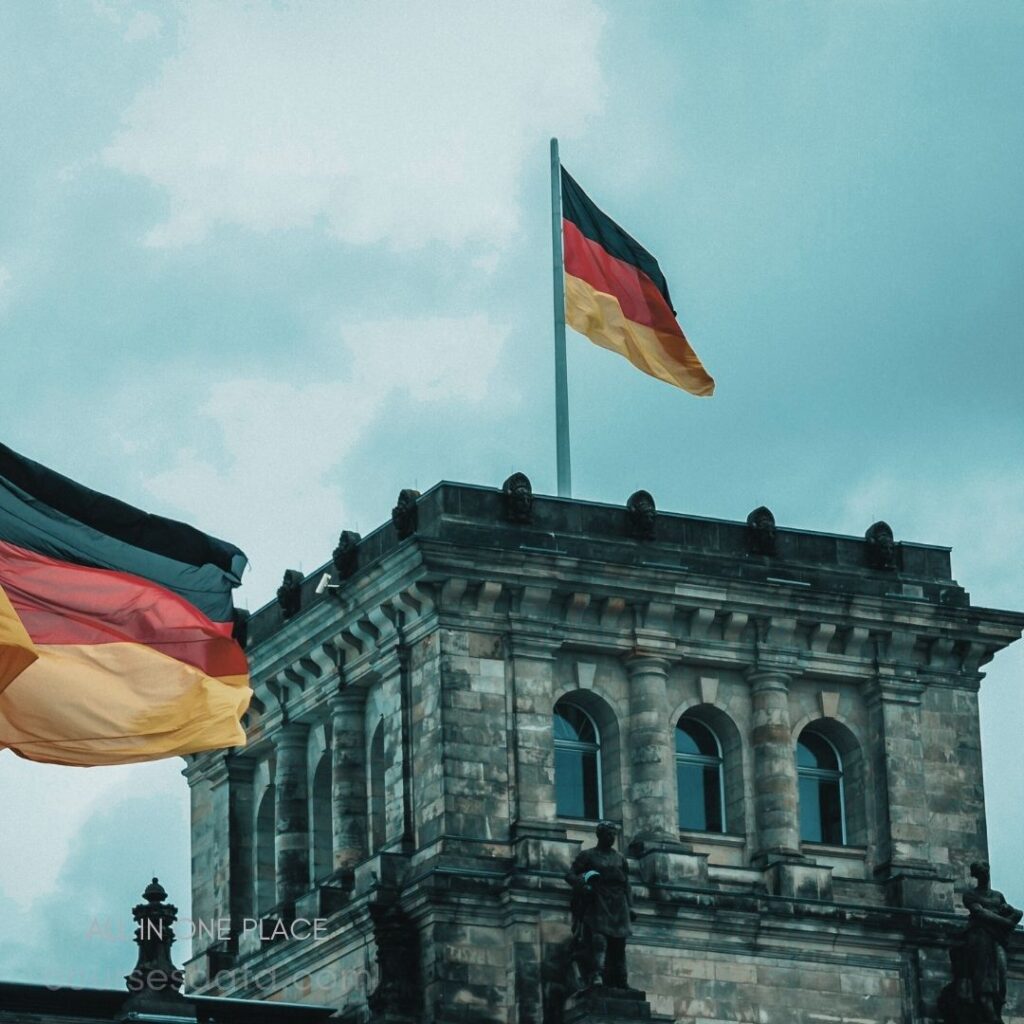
{"x":582,"y":747}
{"x":703,"y":761}
{"x":823,"y":775}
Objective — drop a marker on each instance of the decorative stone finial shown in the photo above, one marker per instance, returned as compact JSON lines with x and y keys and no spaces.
{"x":405,"y":514}
{"x":154,"y":984}
{"x":881,"y":548}
{"x":240,"y":627}
{"x":761,"y":531}
{"x":346,"y":554}
{"x":517,"y":492}
{"x":289,"y":594}
{"x":641,"y":515}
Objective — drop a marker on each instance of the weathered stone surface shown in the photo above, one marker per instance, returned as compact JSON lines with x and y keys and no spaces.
{"x":430,"y":683}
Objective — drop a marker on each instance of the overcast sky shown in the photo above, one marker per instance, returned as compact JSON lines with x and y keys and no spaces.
{"x":263,"y":265}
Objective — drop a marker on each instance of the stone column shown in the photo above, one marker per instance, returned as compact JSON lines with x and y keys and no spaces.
{"x":291,"y":789}
{"x":775,"y":784}
{"x":348,"y":778}
{"x":653,"y":799}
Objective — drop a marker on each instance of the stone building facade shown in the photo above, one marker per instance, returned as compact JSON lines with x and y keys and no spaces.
{"x":784,"y":723}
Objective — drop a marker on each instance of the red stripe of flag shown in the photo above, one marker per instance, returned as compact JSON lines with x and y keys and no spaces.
{"x":64,"y":603}
{"x":639,"y":297}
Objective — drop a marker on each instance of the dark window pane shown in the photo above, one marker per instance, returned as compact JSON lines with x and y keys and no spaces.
{"x":572,"y":724}
{"x":810,"y":811}
{"x":831,"y":812}
{"x":700,"y":797}
{"x":563,"y":727}
{"x":591,"y":801}
{"x":692,"y":737}
{"x":576,"y":791}
{"x":814,"y":751}
{"x":712,"y":800}
{"x":691,"y":796}
{"x":569,"y":783}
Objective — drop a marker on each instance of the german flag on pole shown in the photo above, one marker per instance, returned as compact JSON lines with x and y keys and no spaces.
{"x":115,"y":627}
{"x":616,"y":295}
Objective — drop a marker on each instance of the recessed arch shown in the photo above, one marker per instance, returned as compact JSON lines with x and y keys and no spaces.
{"x":376,"y":789}
{"x":321,"y":819}
{"x":265,"y":873}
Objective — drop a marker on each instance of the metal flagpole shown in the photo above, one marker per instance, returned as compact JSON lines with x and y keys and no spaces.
{"x":561,"y":372}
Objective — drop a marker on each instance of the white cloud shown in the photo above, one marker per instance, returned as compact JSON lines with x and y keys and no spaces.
{"x":389,"y":123}
{"x":282,"y":439}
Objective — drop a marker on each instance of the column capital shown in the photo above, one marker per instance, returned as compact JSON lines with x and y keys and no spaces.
{"x":763,"y":679}
{"x":200,"y":767}
{"x":352,"y":698}
{"x":640,"y":661}
{"x":232,"y":768}
{"x":291,"y":734}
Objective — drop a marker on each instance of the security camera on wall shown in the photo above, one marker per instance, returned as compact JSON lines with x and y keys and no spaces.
{"x":325,"y":584}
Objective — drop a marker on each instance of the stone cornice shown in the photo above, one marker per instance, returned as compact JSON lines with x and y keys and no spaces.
{"x":613,"y":609}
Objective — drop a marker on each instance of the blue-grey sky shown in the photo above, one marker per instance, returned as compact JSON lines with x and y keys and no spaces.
{"x":264,"y":264}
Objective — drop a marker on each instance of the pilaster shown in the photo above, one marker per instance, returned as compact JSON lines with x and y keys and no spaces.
{"x":533,"y":685}
{"x":893,"y":700}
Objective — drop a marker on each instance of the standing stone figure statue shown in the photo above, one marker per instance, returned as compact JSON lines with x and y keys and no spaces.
{"x":989,"y":926}
{"x":602,"y":910}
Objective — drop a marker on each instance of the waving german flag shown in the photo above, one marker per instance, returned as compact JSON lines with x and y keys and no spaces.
{"x":115,"y":627}
{"x":616,"y":295}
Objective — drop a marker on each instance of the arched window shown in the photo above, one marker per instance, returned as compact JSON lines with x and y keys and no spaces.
{"x":377,"y":791}
{"x":321,"y":817}
{"x":699,"y":777}
{"x":577,"y":763}
{"x":819,"y":770}
{"x":266,"y":868}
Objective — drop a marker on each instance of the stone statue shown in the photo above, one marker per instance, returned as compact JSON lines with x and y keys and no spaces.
{"x":518,"y":495}
{"x":641,"y":515}
{"x":761,"y":531}
{"x":405,"y":515}
{"x":881,"y":546}
{"x":346,"y":554}
{"x":289,"y":594}
{"x":989,"y":926}
{"x":602,"y":910}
